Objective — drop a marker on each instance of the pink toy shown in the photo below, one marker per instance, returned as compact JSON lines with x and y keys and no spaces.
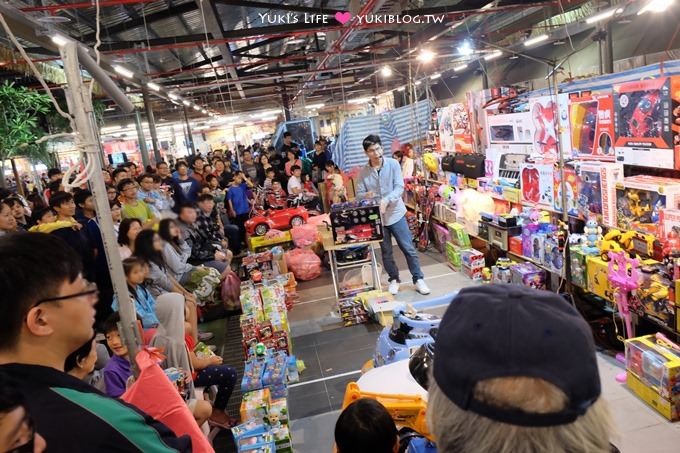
{"x":623,"y":280}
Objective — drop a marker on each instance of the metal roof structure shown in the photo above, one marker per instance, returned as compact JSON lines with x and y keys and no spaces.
{"x":241,"y":55}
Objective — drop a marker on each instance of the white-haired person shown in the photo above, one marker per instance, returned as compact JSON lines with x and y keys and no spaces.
{"x":515,"y":371}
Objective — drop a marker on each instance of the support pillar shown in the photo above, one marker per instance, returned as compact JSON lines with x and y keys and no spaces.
{"x":152,"y":125}
{"x":190,"y":138}
{"x":142,"y":141}
{"x":286,"y":103}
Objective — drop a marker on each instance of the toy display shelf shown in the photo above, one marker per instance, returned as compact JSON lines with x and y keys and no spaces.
{"x":531,"y":260}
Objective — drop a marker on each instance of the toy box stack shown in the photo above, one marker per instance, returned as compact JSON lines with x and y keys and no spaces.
{"x":352,"y":311}
{"x":356,"y":222}
{"x":654,"y":374}
{"x":265,"y":424}
{"x":265,"y":318}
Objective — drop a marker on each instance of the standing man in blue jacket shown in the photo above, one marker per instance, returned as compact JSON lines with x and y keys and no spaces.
{"x":381,"y":178}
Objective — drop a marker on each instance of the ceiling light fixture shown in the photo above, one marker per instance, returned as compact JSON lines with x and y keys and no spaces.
{"x":386,"y":71}
{"x":536,"y":40}
{"x":513,"y":57}
{"x":154,"y":86}
{"x":59,"y":40}
{"x":435,"y":76}
{"x":197,"y":108}
{"x":125,"y":72}
{"x":173,"y":96}
{"x":401,"y":88}
{"x":186,"y":103}
{"x":466,"y":48}
{"x":493,"y":55}
{"x":656,"y":6}
{"x":603,"y":15}
{"x":460,"y":67}
{"x":426,"y":56}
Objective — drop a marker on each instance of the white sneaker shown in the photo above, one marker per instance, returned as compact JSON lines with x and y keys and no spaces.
{"x":422,"y":287}
{"x":394,"y":287}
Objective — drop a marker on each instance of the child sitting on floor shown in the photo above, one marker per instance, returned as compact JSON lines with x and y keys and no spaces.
{"x":136,"y":271}
{"x":117,"y":371}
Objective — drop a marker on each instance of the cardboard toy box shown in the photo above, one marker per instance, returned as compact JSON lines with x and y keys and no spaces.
{"x":537,"y":247}
{"x":528,"y":274}
{"x":545,"y":136}
{"x":472,"y":263}
{"x":356,"y":224}
{"x":597,"y":191}
{"x":255,"y":405}
{"x":654,"y":374}
{"x":591,"y":118}
{"x":578,"y":266}
{"x":639,"y":200}
{"x":536,"y":184}
{"x":598,"y":278}
{"x":553,"y":258}
{"x":453,"y":255}
{"x":459,"y":235}
{"x":655,"y":298}
{"x":644,"y":122}
{"x":669,"y":220}
{"x":572,"y":184}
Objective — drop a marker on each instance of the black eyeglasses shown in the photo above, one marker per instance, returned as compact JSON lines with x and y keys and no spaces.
{"x":90,"y":290}
{"x":29,"y":436}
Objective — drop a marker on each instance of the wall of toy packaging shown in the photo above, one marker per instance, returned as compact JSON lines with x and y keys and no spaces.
{"x":601,"y":219}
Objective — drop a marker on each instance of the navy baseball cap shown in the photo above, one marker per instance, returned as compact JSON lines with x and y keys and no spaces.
{"x":496,"y":331}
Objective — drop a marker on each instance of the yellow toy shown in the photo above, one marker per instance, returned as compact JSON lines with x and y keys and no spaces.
{"x":406,"y":410}
{"x":634,"y":206}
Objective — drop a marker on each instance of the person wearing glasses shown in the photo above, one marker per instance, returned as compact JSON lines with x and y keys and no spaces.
{"x":17,"y":433}
{"x":132,"y":207}
{"x":49,"y":315}
{"x":381,"y":178}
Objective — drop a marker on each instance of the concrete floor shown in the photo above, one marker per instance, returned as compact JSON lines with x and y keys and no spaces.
{"x":334,"y":355}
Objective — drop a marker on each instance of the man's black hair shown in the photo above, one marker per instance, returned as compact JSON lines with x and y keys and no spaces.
{"x":38,"y":214}
{"x":287,"y":134}
{"x":186,"y":205}
{"x":145,"y":250}
{"x":193,"y":162}
{"x":118,"y":171}
{"x":11,"y":201}
{"x":162,"y":163}
{"x":365,"y":426}
{"x":318,"y":142}
{"x":81,"y":196}
{"x":144,"y":176}
{"x":76,"y":356}
{"x":295,"y":167}
{"x":54,"y":186}
{"x":60,"y":198}
{"x":33,"y":266}
{"x":53,"y":172}
{"x":110,"y":324}
{"x":370,"y":141}
{"x":205,"y":197}
{"x":180,"y":163}
{"x":270,"y":170}
{"x":125,"y":182}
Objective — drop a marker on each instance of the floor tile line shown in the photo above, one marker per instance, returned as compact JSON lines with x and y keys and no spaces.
{"x":325,"y":378}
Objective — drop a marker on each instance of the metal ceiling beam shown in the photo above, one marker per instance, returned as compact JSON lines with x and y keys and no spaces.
{"x":176,"y":10}
{"x":475,"y":6}
{"x":257,"y":44}
{"x":280,"y":7}
{"x":213,"y":25}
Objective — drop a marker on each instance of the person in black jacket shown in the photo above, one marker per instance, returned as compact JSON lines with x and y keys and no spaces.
{"x":50,"y":315}
{"x":163,"y":170}
{"x":204,"y":250}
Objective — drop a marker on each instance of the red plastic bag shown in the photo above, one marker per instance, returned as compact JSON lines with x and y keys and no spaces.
{"x":303,"y":263}
{"x":231,"y":291}
{"x":154,"y":394}
{"x":305,"y":235}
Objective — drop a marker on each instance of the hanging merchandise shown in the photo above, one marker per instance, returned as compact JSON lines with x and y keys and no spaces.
{"x":644,"y":115}
{"x":470,"y":166}
{"x":591,"y":118}
{"x":544,"y":138}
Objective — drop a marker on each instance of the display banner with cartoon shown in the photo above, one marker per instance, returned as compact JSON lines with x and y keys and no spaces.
{"x":454,"y":128}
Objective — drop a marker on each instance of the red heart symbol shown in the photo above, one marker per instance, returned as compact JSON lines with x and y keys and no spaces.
{"x":343,"y":18}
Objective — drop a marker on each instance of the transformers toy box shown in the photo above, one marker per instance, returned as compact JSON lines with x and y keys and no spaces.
{"x":597,"y":190}
{"x":536,"y":184}
{"x":644,"y":122}
{"x":591,"y":118}
{"x":654,"y":374}
{"x":354,"y":223}
{"x":639,"y":200}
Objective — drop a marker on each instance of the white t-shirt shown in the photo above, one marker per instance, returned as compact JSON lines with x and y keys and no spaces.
{"x":294,"y":183}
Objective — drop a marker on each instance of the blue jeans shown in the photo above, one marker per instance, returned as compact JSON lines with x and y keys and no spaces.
{"x":404,"y":238}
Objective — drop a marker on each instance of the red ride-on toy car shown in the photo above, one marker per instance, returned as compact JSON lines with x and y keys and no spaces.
{"x":279,"y":219}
